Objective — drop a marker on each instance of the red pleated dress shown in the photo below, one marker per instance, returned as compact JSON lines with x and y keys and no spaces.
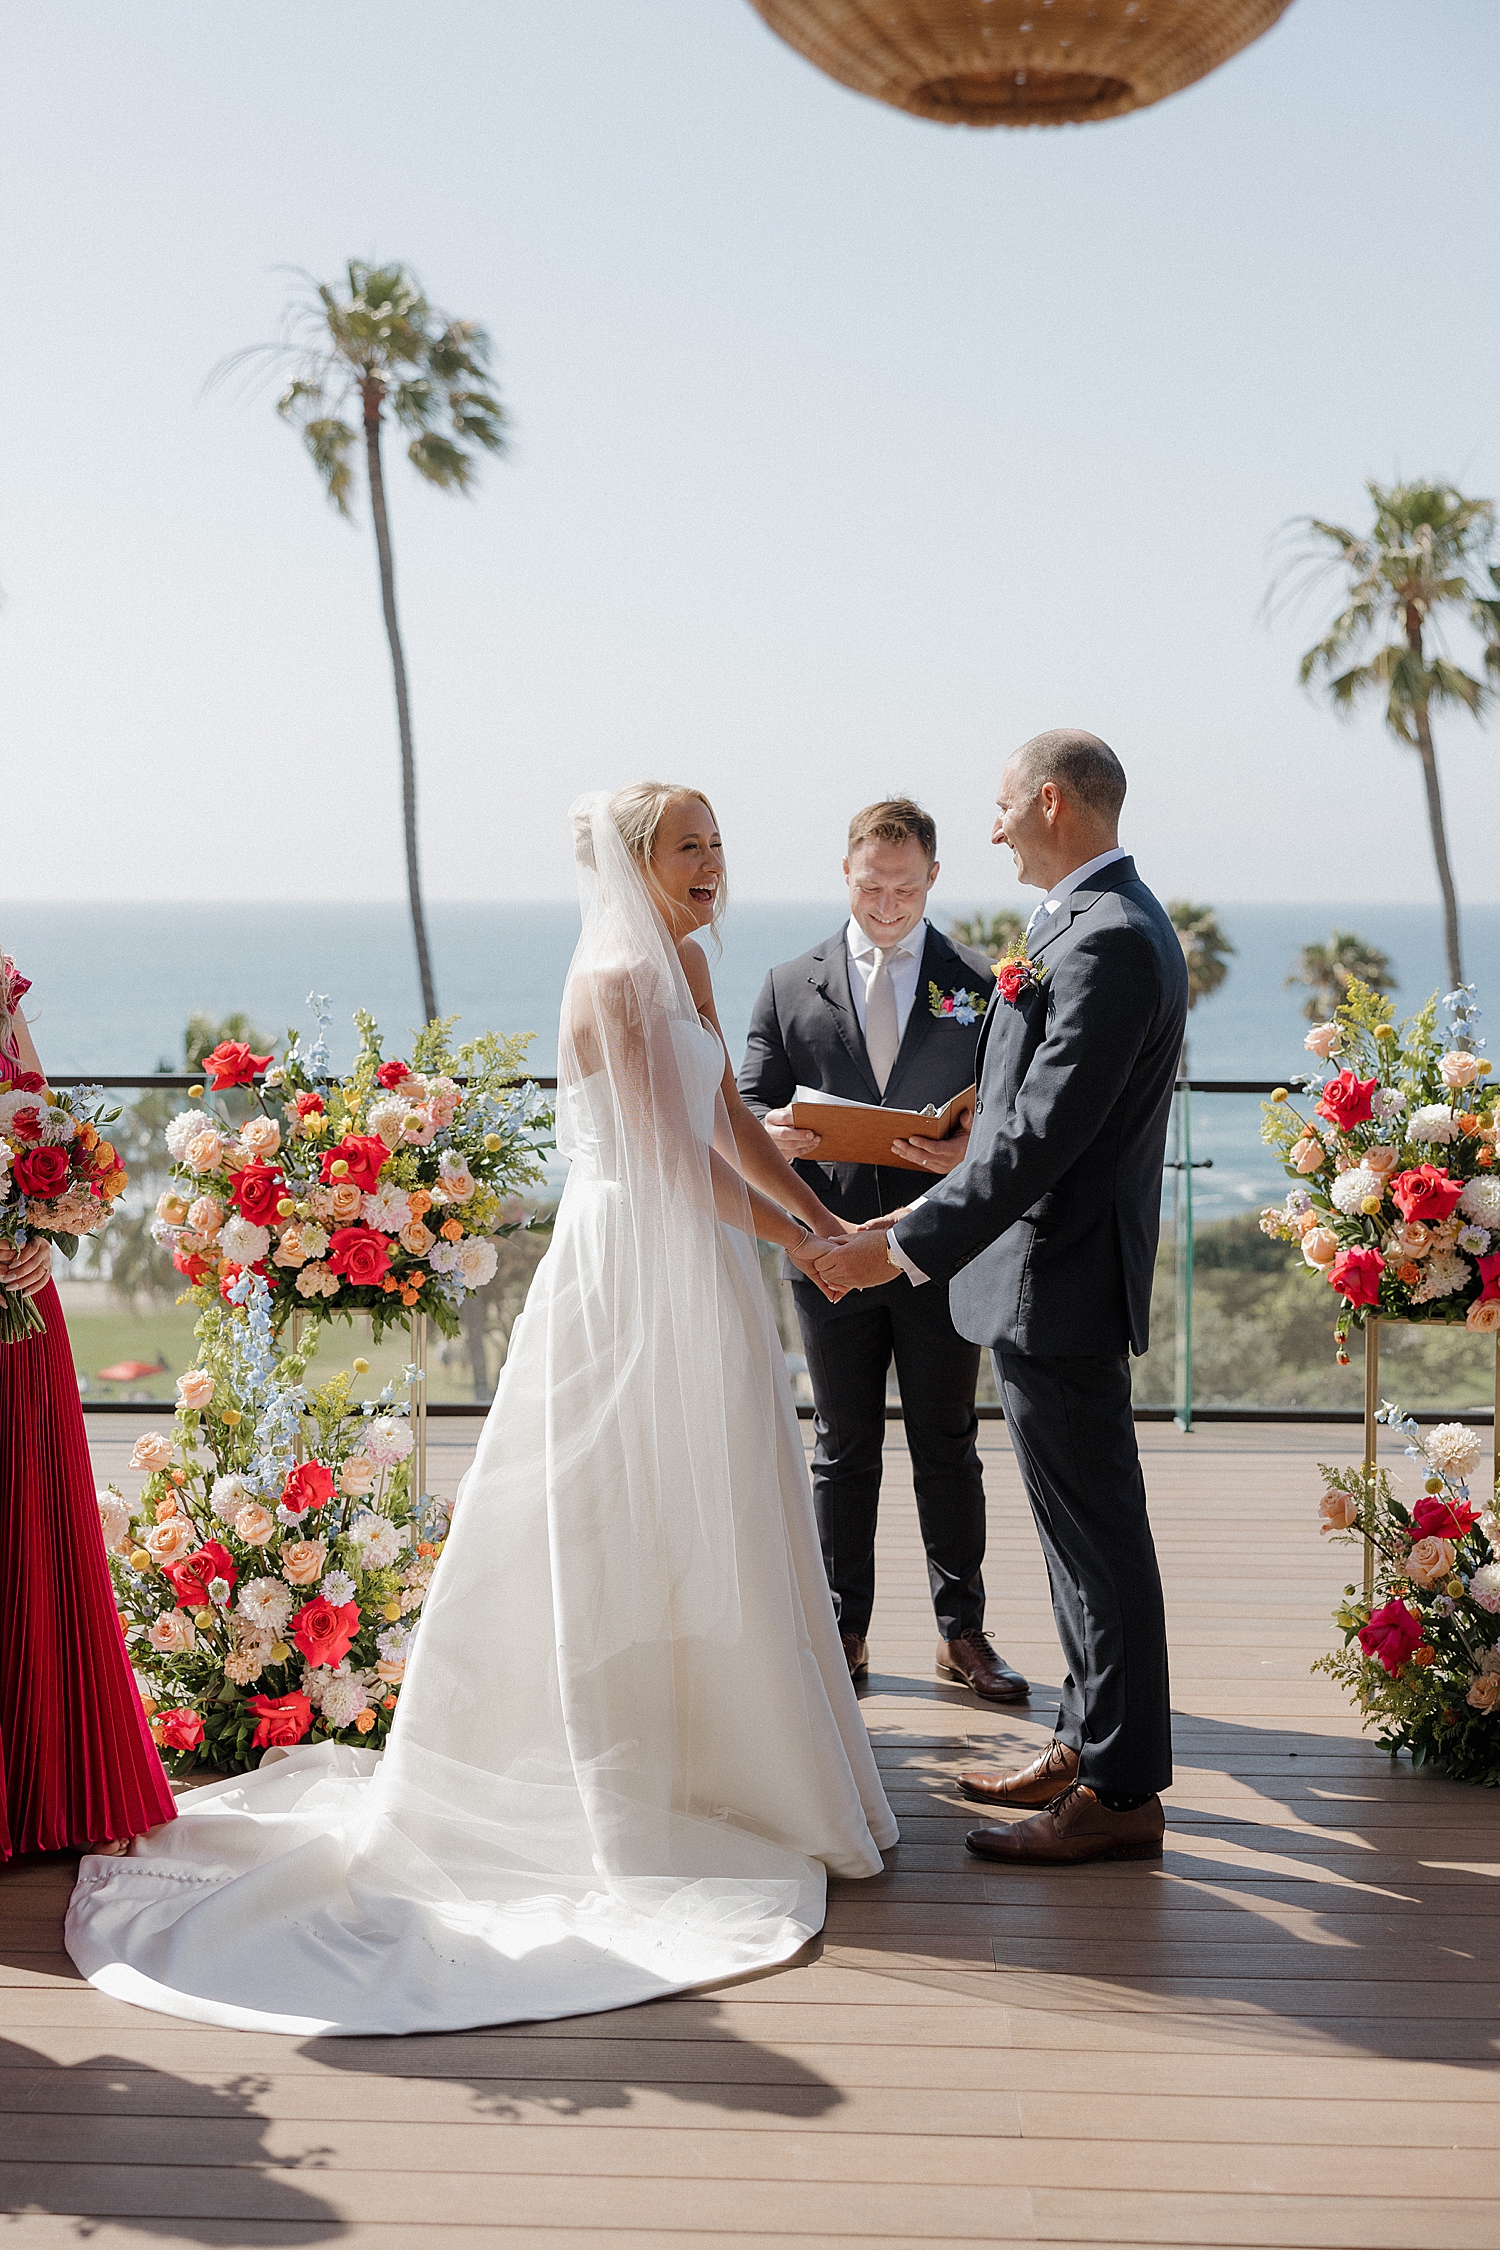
{"x":77,"y":1762}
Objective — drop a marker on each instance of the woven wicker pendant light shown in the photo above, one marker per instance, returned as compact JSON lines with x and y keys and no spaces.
{"x":1018,"y":62}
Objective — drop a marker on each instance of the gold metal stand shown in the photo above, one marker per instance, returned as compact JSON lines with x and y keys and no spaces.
{"x":1372,"y":1403}
{"x":419,"y":1408}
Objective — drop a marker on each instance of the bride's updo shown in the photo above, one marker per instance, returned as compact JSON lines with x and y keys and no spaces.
{"x":637,"y":812}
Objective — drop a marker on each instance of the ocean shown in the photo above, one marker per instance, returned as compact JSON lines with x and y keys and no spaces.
{"x":114,"y":985}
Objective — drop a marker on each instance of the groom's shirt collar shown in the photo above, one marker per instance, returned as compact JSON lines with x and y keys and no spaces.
{"x":1062,"y":891}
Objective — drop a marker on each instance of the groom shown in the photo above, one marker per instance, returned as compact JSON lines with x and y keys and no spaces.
{"x":1046,"y":1239}
{"x":861,"y":1016}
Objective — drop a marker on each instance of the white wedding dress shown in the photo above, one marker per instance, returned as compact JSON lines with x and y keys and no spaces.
{"x":627,"y":1746}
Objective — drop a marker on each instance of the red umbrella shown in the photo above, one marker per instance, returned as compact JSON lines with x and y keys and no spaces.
{"x":132,"y":1370}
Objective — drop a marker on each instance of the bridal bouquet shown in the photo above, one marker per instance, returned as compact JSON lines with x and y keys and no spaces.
{"x":380,"y":1193}
{"x":1397,"y":1202}
{"x":58,"y":1176}
{"x":1422,"y":1659}
{"x":271,"y":1575}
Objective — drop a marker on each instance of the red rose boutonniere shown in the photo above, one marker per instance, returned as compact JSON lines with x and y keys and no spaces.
{"x":1017,"y":973}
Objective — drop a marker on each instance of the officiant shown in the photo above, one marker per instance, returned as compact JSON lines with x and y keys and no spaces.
{"x":886,"y":1012}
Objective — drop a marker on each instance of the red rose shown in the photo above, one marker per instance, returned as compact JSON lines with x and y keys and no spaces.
{"x":26,"y":1081}
{"x":1489,"y":1274}
{"x":232,"y":1064}
{"x":256,"y":1192}
{"x":362,"y":1154}
{"x":360,"y":1254}
{"x":1347,"y":1100}
{"x":181,"y":1729}
{"x":1010,"y":980}
{"x":324,"y":1634}
{"x":393,"y":1074}
{"x":308,"y":1105}
{"x":284,"y":1719}
{"x":1426,"y":1193}
{"x":1356,"y":1275}
{"x":25,"y":1125}
{"x":192,"y":1268}
{"x":308,"y":1485}
{"x":1433,"y":1517}
{"x":190,"y":1579}
{"x":42,"y":1171}
{"x":1392,"y":1633}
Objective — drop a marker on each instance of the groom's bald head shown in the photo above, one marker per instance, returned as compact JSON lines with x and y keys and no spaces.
{"x":1081,"y":768}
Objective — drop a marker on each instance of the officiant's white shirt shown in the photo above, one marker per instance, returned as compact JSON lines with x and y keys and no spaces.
{"x":906,"y":964}
{"x":1058,"y":896}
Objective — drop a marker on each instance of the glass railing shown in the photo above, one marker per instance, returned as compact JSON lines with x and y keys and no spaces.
{"x":1238,"y":1331}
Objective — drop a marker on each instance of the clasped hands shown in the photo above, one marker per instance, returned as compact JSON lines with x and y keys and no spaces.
{"x":28,"y":1270}
{"x":852,"y":1257}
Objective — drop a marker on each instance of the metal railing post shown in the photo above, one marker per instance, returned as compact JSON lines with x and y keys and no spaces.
{"x":1182,"y":1232}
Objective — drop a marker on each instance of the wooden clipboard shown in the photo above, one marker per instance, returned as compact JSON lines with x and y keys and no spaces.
{"x":856,"y":1133}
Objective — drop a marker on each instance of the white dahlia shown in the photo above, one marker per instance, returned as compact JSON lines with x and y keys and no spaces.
{"x":267,"y":1603}
{"x":230,"y":1495}
{"x":182,"y":1129}
{"x":387,"y":1441}
{"x":1454,"y":1450}
{"x":476,"y":1263}
{"x":343,"y":1698}
{"x":1480,"y":1201}
{"x":244,"y":1243}
{"x":1435,"y":1122}
{"x":1353,"y":1189}
{"x":1443,"y":1273}
{"x":1484,"y":1588}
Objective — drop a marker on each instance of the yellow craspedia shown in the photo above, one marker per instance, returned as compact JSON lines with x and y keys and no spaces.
{"x":285,"y":1207}
{"x":1455,"y":1587}
{"x":361,"y":1367}
{"x":391,"y":1612}
{"x":1385,"y":1031}
{"x":1485,"y":1068}
{"x":139,"y":1559}
{"x":1280,"y":1094}
{"x":1370,"y":1205}
{"x":195,"y":1093}
{"x":339,"y":1168}
{"x":203,"y":1618}
{"x":278,"y":1652}
{"x":231,"y":1417}
{"x":1434,"y":1484}
{"x":493,"y":1144}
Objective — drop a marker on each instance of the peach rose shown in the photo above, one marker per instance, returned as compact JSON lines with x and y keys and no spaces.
{"x":254,"y":1524}
{"x":166,"y":1507}
{"x":205,"y":1216}
{"x":416,"y":1239}
{"x":345,"y":1202}
{"x":1458,"y":1067}
{"x":152,"y":1452}
{"x":302,"y":1562}
{"x":289,"y":1250}
{"x":195,"y":1388}
{"x":173,"y":1633}
{"x":1324,"y":1039}
{"x":1483,"y":1320}
{"x":1430,"y":1562}
{"x":357,"y":1476}
{"x":1308,"y":1154}
{"x":172,"y":1209}
{"x":204,"y":1151}
{"x":1337,"y":1512}
{"x":393,"y":1673}
{"x":1412,"y":1240}
{"x":455,"y":1181}
{"x":1382,"y":1161}
{"x":169,"y":1541}
{"x":262,"y":1137}
{"x":1484,"y":1691}
{"x":1320,"y":1246}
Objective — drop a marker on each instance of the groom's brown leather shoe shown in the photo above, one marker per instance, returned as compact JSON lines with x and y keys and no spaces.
{"x":1037,"y":1784}
{"x":857,"y":1653}
{"x":1074,"y":1827}
{"x":972,"y":1659}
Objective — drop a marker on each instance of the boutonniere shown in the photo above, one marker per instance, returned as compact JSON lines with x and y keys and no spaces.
{"x":957,"y":1007}
{"x":1016,"y":973}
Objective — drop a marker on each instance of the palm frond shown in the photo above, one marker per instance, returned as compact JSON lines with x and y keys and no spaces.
{"x":441,"y":462}
{"x":330,"y":442}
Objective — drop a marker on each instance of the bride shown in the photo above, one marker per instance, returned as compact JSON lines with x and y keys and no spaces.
{"x":627,"y":1747}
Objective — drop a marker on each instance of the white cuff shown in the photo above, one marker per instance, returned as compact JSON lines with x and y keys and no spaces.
{"x":908,"y":1265}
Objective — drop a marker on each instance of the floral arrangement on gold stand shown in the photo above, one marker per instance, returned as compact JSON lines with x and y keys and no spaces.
{"x":271,"y":1575}
{"x":1421,"y":1653}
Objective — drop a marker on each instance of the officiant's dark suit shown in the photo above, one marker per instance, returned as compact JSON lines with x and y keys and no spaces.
{"x":1046,"y":1239}
{"x":805,"y":1032}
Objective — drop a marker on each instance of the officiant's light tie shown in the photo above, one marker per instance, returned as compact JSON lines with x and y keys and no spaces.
{"x":882,"y":1036}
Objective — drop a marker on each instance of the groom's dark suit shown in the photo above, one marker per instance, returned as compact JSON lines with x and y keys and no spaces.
{"x":805,"y":1031}
{"x":1046,"y":1236}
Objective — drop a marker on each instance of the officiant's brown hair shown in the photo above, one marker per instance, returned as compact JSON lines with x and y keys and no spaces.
{"x":891,"y":822}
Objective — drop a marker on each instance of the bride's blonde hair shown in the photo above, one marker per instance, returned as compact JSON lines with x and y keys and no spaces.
{"x":638,"y":812}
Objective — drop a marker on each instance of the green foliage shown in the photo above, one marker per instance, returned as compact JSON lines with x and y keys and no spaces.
{"x":205,"y":1032}
{"x":995,"y":934}
{"x":1205,"y":947}
{"x":1329,"y":970}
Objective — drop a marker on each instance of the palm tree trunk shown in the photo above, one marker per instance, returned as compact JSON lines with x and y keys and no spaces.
{"x":1428,"y":756}
{"x":373,"y":394}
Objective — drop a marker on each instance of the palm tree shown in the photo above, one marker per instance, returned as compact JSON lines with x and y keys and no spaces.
{"x":1329,"y":970}
{"x":1205,"y":947}
{"x":1413,"y":569}
{"x":375,"y":342}
{"x":993,"y":934}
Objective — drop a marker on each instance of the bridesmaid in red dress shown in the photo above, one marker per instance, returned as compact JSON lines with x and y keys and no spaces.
{"x":78,"y":1767}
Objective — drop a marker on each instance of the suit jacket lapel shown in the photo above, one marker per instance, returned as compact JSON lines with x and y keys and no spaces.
{"x":833,"y":985}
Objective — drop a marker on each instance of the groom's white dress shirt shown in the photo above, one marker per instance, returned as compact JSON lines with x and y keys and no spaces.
{"x":1058,"y":896}
{"x":904,"y":960}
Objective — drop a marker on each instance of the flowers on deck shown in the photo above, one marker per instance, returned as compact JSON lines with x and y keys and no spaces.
{"x":246,"y":1634}
{"x":383,"y":1192}
{"x":59,"y":1176}
{"x":1396,"y":1204}
{"x":1421,"y":1656}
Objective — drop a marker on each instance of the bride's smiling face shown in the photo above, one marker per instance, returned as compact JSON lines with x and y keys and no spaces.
{"x":687,"y":865}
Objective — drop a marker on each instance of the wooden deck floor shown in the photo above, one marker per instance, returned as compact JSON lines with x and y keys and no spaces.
{"x":1287,"y":2034}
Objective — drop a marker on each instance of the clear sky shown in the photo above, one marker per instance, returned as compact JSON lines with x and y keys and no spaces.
{"x":849,"y":450}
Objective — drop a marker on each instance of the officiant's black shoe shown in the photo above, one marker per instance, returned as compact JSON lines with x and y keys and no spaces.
{"x":857,"y":1650}
{"x":972,"y":1659}
{"x":1037,"y":1784}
